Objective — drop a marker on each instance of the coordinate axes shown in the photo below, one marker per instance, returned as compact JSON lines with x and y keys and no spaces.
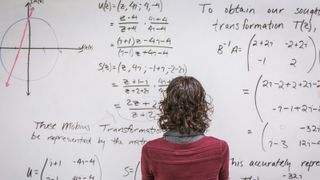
{"x":27,"y":27}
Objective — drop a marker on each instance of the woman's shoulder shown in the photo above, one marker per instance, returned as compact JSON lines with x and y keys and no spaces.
{"x":154,"y":142}
{"x":216,"y":143}
{"x":216,"y":140}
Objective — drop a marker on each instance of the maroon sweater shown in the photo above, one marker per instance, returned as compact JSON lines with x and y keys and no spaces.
{"x":205,"y":159}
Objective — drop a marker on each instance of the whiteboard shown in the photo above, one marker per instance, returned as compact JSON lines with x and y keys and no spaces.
{"x":80,"y":83}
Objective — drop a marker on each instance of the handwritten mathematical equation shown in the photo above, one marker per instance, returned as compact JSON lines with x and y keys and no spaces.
{"x":282,"y":84}
{"x":134,"y":42}
{"x":52,"y":169}
{"x":301,"y":108}
{"x":135,"y":24}
{"x":124,"y":6}
{"x":270,"y":141}
{"x":128,"y":68}
{"x":138,"y":102}
{"x":295,"y":58}
{"x":141,"y":86}
{"x":133,"y":46}
{"x":131,"y":171}
{"x":138,"y":110}
{"x":136,"y":47}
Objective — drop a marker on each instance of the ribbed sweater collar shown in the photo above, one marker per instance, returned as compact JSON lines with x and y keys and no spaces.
{"x":177,"y":137}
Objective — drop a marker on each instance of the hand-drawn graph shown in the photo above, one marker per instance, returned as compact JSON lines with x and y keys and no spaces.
{"x":29,"y":49}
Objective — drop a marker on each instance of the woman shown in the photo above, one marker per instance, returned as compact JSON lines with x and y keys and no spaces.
{"x":184,"y":152}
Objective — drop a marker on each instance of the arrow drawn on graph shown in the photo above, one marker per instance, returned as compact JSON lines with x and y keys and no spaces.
{"x":20,"y":46}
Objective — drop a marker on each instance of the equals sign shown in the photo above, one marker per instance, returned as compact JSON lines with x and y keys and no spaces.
{"x":249,"y":131}
{"x":114,"y":85}
{"x":117,"y":106}
{"x":245,"y":91}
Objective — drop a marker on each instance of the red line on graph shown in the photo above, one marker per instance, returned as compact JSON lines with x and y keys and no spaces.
{"x":20,"y":46}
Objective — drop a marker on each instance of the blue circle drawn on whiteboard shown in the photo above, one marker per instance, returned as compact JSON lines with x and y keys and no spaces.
{"x":42,"y":59}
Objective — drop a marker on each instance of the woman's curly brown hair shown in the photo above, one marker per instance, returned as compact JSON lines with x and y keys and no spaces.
{"x":184,"y":107}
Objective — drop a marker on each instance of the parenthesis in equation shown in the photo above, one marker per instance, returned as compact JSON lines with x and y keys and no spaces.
{"x":110,"y":5}
{"x":133,"y":41}
{"x":118,"y":7}
{"x":120,"y":63}
{"x":100,"y":169}
{"x":43,"y":168}
{"x":119,"y":43}
{"x":161,"y":5}
{"x":186,"y":69}
{"x":119,"y":51}
{"x":310,"y":22}
{"x":248,"y":52}
{"x":315,"y":54}
{"x":262,"y":137}
{"x":255,"y":99}
{"x":136,"y":171}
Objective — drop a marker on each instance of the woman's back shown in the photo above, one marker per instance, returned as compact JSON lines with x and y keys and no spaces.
{"x":184,"y":152}
{"x":204,"y":159}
